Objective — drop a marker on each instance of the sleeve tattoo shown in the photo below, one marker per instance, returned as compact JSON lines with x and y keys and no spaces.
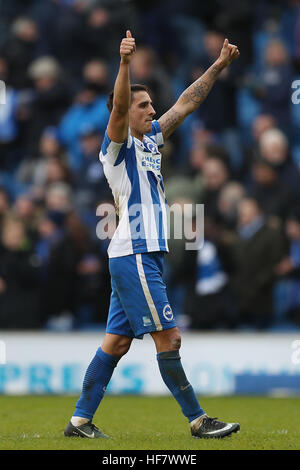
{"x":189,"y":100}
{"x":170,"y":121}
{"x":198,"y":91}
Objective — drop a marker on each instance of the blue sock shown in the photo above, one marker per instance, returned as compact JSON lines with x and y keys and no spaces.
{"x":175,"y":379}
{"x":96,"y":379}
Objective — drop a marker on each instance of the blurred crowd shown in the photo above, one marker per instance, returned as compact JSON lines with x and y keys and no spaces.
{"x":238,"y":154}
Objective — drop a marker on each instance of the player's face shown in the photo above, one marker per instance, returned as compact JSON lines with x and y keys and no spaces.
{"x":141,"y":113}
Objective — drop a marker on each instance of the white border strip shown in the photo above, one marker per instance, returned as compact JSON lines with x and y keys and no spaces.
{"x":2,"y":352}
{"x":147,"y":293}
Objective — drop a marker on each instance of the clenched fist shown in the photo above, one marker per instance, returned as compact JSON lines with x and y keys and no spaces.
{"x":127,"y":48}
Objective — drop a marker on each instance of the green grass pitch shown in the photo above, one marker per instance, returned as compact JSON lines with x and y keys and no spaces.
{"x":151,"y":423}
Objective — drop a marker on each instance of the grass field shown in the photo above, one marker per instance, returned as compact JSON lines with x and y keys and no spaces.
{"x":151,"y":423}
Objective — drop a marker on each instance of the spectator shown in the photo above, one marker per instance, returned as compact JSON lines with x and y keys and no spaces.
{"x":57,"y":267}
{"x":146,"y":69}
{"x":189,"y":183}
{"x":208,"y":301}
{"x":200,"y":154}
{"x":59,"y":197}
{"x":51,"y":100}
{"x":19,"y":307}
{"x":274,"y":148}
{"x":100,"y":37}
{"x":202,"y":148}
{"x":88,"y":110}
{"x":236,"y":21}
{"x":289,"y":267}
{"x":297,"y":43}
{"x":256,"y":253}
{"x":65,"y":22}
{"x":274,"y":197}
{"x":4,"y":205}
{"x":217,"y":114}
{"x":95,"y":72}
{"x":177,"y":236}
{"x":32,"y":171}
{"x":103,"y":22}
{"x":234,"y":18}
{"x":90,"y":183}
{"x":19,"y":49}
{"x":260,"y":124}
{"x":227,"y":204}
{"x":92,"y":282}
{"x":9,"y":125}
{"x":215,"y":175}
{"x":273,"y":87}
{"x":28,"y":213}
{"x":57,"y":171}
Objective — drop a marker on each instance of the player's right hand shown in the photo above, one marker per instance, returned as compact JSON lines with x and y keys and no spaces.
{"x":127,"y":48}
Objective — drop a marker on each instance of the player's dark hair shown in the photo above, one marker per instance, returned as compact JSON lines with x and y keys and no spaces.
{"x":133,"y":88}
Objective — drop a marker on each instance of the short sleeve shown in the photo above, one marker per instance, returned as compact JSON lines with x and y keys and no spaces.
{"x":113,"y":152}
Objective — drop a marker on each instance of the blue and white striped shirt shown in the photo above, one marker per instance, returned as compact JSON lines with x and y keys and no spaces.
{"x":132,"y":169}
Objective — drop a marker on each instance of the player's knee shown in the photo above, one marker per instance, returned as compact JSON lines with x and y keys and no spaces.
{"x":122,"y":347}
{"x":167,"y":340}
{"x":175,"y":341}
{"x":116,"y":345}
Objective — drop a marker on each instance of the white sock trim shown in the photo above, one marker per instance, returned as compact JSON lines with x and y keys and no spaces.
{"x":196,"y":423}
{"x":78,"y":421}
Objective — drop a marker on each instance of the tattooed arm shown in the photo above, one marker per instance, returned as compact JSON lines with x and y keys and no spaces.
{"x":196,"y":93}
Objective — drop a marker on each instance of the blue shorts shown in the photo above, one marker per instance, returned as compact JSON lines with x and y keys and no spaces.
{"x":139,"y":302}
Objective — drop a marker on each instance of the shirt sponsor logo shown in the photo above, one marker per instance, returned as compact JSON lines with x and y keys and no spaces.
{"x":150,"y":159}
{"x":151,"y":162}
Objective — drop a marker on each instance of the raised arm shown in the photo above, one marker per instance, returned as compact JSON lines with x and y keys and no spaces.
{"x":117,"y":128}
{"x":196,"y":93}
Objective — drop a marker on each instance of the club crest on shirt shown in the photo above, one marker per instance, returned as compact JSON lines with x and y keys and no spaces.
{"x":151,"y":147}
{"x":168,"y":313}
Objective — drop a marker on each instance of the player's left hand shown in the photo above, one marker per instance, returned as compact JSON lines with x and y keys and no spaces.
{"x":228,"y":53}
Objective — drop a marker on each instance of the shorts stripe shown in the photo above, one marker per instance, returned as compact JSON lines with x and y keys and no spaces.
{"x":147,"y":293}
